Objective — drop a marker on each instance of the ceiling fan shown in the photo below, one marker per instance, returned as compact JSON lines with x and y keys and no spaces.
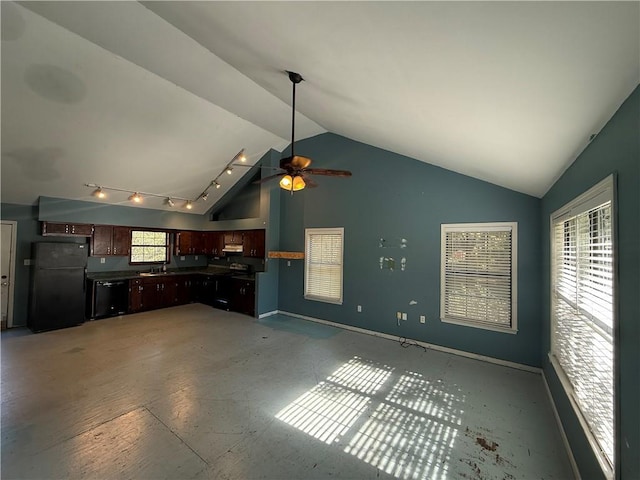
{"x":296,"y":171}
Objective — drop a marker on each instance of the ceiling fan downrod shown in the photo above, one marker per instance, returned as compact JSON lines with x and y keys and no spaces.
{"x":295,"y":79}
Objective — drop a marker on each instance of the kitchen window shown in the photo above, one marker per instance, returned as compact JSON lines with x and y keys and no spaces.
{"x":478,"y":275}
{"x":149,"y":247}
{"x":323,"y":264}
{"x":582,"y":313}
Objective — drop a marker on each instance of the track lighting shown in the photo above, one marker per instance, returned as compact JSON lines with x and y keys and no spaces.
{"x":137,"y":195}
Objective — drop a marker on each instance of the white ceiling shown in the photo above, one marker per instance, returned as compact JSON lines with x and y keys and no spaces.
{"x":159,"y":96}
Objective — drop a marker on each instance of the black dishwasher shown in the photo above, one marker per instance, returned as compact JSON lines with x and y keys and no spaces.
{"x":110,"y":298}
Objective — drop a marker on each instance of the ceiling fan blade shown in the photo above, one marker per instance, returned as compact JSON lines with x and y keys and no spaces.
{"x":270,"y":177}
{"x":328,"y":172}
{"x":309,"y":182}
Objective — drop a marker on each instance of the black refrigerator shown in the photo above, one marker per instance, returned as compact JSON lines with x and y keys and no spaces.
{"x":58,"y":282}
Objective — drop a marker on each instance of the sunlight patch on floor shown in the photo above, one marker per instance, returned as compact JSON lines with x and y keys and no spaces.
{"x":402,"y":424}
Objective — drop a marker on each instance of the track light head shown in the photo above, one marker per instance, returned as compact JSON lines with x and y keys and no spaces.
{"x":170,"y":202}
{"x":188,"y":205}
{"x":136,"y":198}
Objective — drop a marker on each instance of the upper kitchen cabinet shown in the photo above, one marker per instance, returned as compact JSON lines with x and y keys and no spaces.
{"x":184,"y":243}
{"x":109,"y":240}
{"x":253,"y":243}
{"x":214,"y":243}
{"x":66,"y":229}
{"x":191,"y":243}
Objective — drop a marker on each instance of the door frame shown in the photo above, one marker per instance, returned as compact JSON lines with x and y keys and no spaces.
{"x":12,"y":270}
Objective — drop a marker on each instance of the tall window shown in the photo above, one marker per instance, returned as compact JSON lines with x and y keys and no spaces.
{"x":478,"y":275}
{"x":582,"y":340}
{"x":149,"y":247}
{"x":323,"y":264}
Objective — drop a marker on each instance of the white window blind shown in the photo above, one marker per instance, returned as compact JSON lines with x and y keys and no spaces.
{"x":323,"y":264}
{"x":582,"y":346}
{"x":478,"y":275}
{"x":149,"y":247}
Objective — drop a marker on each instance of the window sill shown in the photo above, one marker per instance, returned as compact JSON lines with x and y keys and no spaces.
{"x":482,"y":326}
{"x":321,"y":299}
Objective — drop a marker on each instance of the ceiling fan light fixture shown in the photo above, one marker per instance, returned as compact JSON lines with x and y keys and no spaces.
{"x":286,"y":182}
{"x":298,"y":183}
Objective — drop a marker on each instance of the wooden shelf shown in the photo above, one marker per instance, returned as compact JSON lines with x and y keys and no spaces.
{"x":287,"y":255}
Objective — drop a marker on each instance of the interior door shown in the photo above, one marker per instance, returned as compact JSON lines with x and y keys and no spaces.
{"x":7,"y":262}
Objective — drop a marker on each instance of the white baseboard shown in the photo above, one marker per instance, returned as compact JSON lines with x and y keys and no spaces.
{"x":268,"y":314}
{"x":565,"y":440}
{"x":430,"y":346}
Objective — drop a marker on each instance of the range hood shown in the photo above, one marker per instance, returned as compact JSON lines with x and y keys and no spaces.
{"x":232,"y":248}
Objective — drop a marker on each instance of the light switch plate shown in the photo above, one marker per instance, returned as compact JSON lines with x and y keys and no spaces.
{"x":27,"y":261}
{"x":103,"y":260}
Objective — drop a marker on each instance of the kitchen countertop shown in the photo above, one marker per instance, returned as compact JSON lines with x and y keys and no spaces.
{"x":131,"y":275}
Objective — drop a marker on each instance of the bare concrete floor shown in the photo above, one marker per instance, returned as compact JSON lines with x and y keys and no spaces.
{"x":194,"y":392}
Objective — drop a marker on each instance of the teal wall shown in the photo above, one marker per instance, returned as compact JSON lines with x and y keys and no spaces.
{"x":616,"y":149}
{"x":393,"y":197}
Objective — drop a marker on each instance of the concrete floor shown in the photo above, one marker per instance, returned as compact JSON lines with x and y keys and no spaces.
{"x":194,"y":392}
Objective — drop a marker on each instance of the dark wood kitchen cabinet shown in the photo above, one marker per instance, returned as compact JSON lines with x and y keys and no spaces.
{"x":110,"y":240}
{"x":253,"y":243}
{"x":243,"y":296}
{"x":214,"y":243}
{"x":66,"y":229}
{"x":190,"y":243}
{"x":159,"y":292}
{"x":186,"y":289}
{"x":136,"y":288}
{"x":183,"y":243}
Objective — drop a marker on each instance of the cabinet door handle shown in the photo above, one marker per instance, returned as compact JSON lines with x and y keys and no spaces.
{"x":115,"y":249}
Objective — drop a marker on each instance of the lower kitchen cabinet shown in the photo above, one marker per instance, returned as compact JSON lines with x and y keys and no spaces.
{"x":135,"y":295}
{"x":220,"y":291}
{"x":243,"y":296}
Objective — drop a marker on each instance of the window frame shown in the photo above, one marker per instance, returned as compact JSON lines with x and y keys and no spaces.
{"x":598,"y":194}
{"x":481,"y":227}
{"x":167,"y":246}
{"x":323,"y":231}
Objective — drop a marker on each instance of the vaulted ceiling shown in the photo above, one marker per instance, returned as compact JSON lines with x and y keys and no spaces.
{"x":159,"y":96}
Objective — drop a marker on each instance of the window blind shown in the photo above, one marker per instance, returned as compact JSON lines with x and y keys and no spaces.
{"x":477,"y":275}
{"x":582,"y":315}
{"x":149,"y":246}
{"x":323,"y":264}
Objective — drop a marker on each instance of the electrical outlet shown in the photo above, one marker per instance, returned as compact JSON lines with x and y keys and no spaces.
{"x":404,"y":316}
{"x":288,"y":263}
{"x":423,"y":319}
{"x":359,"y":308}
{"x":399,"y":315}
{"x":182,"y":258}
{"x":27,"y":261}
{"x":196,"y":257}
{"x":102,"y":260}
